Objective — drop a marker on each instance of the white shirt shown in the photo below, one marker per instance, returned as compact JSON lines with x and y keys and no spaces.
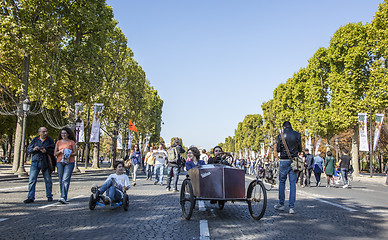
{"x":204,"y":157}
{"x":160,"y":157}
{"x":121,"y":179}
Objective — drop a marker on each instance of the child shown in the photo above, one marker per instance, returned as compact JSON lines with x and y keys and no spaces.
{"x":116,"y":184}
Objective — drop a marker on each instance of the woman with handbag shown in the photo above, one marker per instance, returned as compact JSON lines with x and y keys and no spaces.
{"x":318,"y":168}
{"x":329,"y":168}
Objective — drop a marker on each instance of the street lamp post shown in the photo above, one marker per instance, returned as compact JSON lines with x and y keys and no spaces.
{"x":78,"y":124}
{"x":370,"y":145}
{"x":26,"y":108}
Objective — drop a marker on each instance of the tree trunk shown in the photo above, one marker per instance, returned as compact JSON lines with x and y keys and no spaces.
{"x":9,"y":153}
{"x":95,"y":155}
{"x":18,"y":137}
{"x":355,"y":162}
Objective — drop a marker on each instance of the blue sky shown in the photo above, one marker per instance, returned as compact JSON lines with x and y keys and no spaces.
{"x":215,"y":61}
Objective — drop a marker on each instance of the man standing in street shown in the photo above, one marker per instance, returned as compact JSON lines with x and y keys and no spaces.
{"x":42,"y":150}
{"x":310,"y":166}
{"x":344,"y":163}
{"x":294,"y":144}
{"x":174,"y":164}
{"x":160,"y":160}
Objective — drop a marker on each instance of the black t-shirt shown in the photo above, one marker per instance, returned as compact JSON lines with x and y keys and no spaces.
{"x":345,"y":161}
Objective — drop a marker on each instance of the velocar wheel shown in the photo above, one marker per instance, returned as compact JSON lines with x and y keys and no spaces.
{"x":221,"y":204}
{"x":125,"y":202}
{"x":257,"y":199}
{"x":187,"y":199}
{"x":92,"y":202}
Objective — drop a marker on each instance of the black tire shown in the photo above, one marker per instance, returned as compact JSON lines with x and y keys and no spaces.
{"x":257,"y":199}
{"x":92,"y":202}
{"x":126,"y":202}
{"x":221,"y":204}
{"x":187,"y":199}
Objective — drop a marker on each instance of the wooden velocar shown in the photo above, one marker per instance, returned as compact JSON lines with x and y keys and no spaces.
{"x":217,"y":181}
{"x":220,"y":183}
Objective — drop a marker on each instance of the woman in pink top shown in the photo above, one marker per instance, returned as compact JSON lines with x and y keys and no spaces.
{"x":65,"y":151}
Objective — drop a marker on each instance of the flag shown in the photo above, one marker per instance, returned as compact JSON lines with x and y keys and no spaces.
{"x":132,"y":126}
{"x":363,"y":132}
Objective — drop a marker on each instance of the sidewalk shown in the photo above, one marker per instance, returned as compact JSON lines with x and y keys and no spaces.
{"x":378,"y":178}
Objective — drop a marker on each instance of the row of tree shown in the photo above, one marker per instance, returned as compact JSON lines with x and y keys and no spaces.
{"x":60,"y":52}
{"x":340,"y":81}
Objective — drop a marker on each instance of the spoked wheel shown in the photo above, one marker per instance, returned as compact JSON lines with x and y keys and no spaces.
{"x":125,"y":202}
{"x":92,"y":202}
{"x":257,"y":199}
{"x":221,"y":204}
{"x":187,"y":199}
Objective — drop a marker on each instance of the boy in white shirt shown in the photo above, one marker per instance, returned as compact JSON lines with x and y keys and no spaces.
{"x":116,"y":184}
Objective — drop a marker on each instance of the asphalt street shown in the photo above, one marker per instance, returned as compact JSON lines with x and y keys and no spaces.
{"x":154,"y":213}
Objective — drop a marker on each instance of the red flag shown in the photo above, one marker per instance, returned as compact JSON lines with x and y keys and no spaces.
{"x":131,"y":126}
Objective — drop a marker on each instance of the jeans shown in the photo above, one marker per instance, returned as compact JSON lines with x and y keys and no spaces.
{"x":134,"y":171}
{"x":176,"y":171}
{"x":317,"y":177}
{"x":308,"y":176}
{"x":344,"y":173}
{"x":284,"y":170}
{"x":149,"y":170}
{"x":114,"y":194}
{"x":64,"y":176}
{"x":159,"y":168}
{"x":35,"y":168}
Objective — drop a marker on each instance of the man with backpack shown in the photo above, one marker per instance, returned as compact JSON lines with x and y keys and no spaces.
{"x":174,"y":163}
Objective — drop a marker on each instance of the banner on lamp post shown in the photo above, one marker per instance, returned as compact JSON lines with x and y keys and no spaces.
{"x":119,"y":141}
{"x":95,"y":132}
{"x":81,"y":133}
{"x":363,"y":132}
{"x":318,"y":144}
{"x":130,"y":138}
{"x":379,"y":122}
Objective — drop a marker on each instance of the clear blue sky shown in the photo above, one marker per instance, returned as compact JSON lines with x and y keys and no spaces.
{"x":215,"y":61}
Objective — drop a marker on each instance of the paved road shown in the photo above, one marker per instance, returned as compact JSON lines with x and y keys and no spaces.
{"x":361,"y":212}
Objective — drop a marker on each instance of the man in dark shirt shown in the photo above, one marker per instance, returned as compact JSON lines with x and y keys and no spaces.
{"x":42,"y":150}
{"x":345,"y":162}
{"x":310,"y":166}
{"x":294,"y":145}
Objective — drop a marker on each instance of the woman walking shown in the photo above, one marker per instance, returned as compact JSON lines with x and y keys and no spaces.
{"x":150,"y":163}
{"x":136,"y":161}
{"x":329,"y":168}
{"x":65,"y":150}
{"x":318,"y":168}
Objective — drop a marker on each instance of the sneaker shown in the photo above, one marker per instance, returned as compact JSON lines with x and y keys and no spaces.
{"x":168,"y":189}
{"x":107,"y":200}
{"x":279,"y":207}
{"x":147,"y":178}
{"x":161,"y":184}
{"x":156,"y":182}
{"x":291,"y":211}
{"x":175,"y":191}
{"x":63,"y":201}
{"x":28,"y":200}
{"x":50,"y":199}
{"x":319,"y":184}
{"x":345,"y":186}
{"x":134,"y":184}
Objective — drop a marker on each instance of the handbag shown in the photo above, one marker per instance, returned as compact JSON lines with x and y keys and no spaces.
{"x":297,"y":163}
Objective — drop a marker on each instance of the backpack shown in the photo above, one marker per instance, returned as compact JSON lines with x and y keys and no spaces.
{"x":172,"y":155}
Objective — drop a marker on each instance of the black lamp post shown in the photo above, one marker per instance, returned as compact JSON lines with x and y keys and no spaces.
{"x":78,"y":124}
{"x":26,"y":109}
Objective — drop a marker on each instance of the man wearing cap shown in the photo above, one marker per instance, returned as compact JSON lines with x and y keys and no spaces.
{"x":294,"y":144}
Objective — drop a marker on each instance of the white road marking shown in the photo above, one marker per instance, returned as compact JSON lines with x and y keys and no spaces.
{"x":58,"y":203}
{"x":201,"y":206}
{"x":3,"y":219}
{"x":318,"y":198}
{"x":20,"y":187}
{"x":204,"y":230}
